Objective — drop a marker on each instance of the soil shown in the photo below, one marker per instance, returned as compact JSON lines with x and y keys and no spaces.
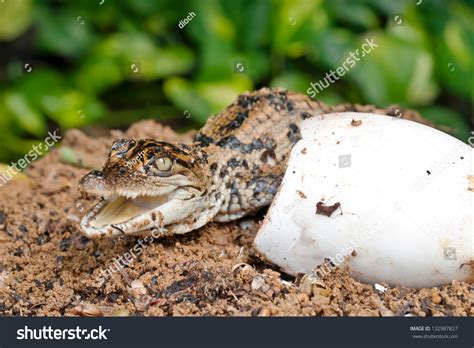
{"x":48,"y":268}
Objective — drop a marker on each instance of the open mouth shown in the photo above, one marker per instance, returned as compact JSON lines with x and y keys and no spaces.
{"x":119,"y":209}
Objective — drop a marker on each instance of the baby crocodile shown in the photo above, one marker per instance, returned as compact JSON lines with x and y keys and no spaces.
{"x":232,"y":169}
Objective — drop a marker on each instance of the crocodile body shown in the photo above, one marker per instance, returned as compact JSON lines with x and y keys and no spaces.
{"x":233,"y":168}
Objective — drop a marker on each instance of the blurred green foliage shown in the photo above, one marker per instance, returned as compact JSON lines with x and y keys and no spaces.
{"x":77,"y":63}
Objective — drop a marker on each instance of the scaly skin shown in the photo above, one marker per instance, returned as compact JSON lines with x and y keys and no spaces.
{"x":232,"y":169}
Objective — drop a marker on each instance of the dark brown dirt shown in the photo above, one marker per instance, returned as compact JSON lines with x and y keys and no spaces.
{"x":47,"y":268}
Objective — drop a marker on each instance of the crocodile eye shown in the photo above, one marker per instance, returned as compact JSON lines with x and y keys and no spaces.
{"x":164,"y":164}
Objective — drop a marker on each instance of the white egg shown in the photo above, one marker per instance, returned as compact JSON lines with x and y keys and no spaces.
{"x":390,"y":198}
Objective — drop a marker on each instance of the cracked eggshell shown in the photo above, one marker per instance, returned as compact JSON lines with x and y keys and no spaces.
{"x":390,"y":198}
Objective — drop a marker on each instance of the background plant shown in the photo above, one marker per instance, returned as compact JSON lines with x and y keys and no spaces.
{"x":68,"y":63}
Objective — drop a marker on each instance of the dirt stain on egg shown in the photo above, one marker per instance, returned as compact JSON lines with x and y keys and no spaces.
{"x":301,"y":194}
{"x":470,"y":265}
{"x":326,"y":210}
{"x":470,"y":183}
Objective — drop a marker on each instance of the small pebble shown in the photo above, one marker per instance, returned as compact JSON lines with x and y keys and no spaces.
{"x":265,"y":312}
{"x":3,"y":217}
{"x":259,"y":284}
{"x":18,"y":252}
{"x":436,"y":298}
{"x":121,"y":312}
{"x":302,"y":297}
{"x":137,"y":288}
{"x":87,"y":310}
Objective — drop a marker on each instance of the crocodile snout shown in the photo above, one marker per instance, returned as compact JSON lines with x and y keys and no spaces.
{"x":94,"y":183}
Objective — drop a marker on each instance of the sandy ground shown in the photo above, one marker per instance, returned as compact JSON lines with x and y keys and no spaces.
{"x":47,"y":268}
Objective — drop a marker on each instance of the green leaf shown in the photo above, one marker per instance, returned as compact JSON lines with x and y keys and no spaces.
{"x":210,"y":23}
{"x":46,"y":92}
{"x":389,"y":7}
{"x":220,"y":94}
{"x":289,"y":16}
{"x":24,"y":115}
{"x":395,"y":72}
{"x":202,"y":99}
{"x":215,"y":37}
{"x":145,"y":7}
{"x":151,"y":62}
{"x":330,"y":47}
{"x":292,"y":80}
{"x":15,"y":18}
{"x":455,"y":51}
{"x":98,"y":73}
{"x":64,"y":32}
{"x":217,"y":60}
{"x":252,"y":20}
{"x":72,"y":108}
{"x":182,"y":93}
{"x":38,"y":85}
{"x":352,"y":13}
{"x":172,"y":60}
{"x":257,"y":65}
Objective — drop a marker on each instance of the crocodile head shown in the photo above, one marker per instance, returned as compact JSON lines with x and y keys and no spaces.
{"x":147,"y":185}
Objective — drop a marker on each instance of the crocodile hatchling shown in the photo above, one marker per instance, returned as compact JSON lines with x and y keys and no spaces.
{"x":232,"y":169}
